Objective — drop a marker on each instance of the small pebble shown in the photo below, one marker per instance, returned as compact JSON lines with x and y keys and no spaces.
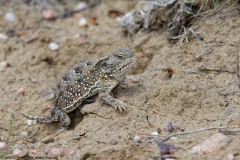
{"x":10,"y":16}
{"x":214,"y":143}
{"x":81,"y":5}
{"x":33,"y":80}
{"x":134,"y":79}
{"x":230,"y":157}
{"x":21,"y":141}
{"x":21,"y":32}
{"x":33,"y":152}
{"x":174,"y":138}
{"x":192,"y":88}
{"x":154,"y":133}
{"x":137,"y":138}
{"x":166,"y":149}
{"x":16,"y":152}
{"x":53,"y":46}
{"x":83,"y":22}
{"x":48,"y":139}
{"x":21,"y":91}
{"x":113,"y":142}
{"x":3,"y":65}
{"x":3,"y":36}
{"x":48,"y":14}
{"x":46,"y":150}
{"x":32,"y":38}
{"x":3,"y":145}
{"x":71,"y":153}
{"x":56,"y":152}
{"x":170,"y":127}
{"x":31,"y":122}
{"x":24,"y":134}
{"x":84,"y":35}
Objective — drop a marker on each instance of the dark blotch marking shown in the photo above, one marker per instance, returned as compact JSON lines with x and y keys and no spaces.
{"x":78,"y":70}
{"x":68,"y":89}
{"x":58,"y":86}
{"x":79,"y":81}
{"x":65,"y":78}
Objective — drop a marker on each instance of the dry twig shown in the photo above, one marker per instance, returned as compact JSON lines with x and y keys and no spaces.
{"x":190,"y":132}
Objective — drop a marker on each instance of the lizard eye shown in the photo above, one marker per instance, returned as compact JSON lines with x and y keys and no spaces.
{"x":120,"y":55}
{"x":123,"y":54}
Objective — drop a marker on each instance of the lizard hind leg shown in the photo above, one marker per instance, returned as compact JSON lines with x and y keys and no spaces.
{"x":64,"y":119}
{"x":41,"y":119}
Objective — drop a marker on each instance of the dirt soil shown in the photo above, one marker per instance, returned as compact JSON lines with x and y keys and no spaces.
{"x":170,"y":88}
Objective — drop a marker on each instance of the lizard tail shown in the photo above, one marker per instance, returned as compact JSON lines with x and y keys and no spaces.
{"x":41,"y":119}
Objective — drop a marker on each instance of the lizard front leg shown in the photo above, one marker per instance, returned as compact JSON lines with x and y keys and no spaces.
{"x":105,"y":96}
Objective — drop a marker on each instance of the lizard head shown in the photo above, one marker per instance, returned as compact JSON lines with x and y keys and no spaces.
{"x":121,"y":61}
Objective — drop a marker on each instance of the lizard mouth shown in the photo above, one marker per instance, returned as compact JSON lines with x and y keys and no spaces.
{"x":126,"y":65}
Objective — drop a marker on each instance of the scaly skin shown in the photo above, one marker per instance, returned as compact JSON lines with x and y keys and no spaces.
{"x":84,"y":80}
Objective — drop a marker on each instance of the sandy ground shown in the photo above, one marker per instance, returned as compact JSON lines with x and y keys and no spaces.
{"x":189,"y":99}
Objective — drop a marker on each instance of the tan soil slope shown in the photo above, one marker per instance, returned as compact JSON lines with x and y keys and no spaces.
{"x":153,"y":102}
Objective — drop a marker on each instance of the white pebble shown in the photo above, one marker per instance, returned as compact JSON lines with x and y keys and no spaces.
{"x":3,"y":65}
{"x":81,"y":5}
{"x":134,"y":78}
{"x":47,"y":139}
{"x":24,"y":134}
{"x":10,"y":16}
{"x":83,"y":22}
{"x":3,"y":36}
{"x":137,"y":138}
{"x":19,"y":153}
{"x":154,"y":133}
{"x":174,"y":138}
{"x":53,"y":46}
{"x":2,"y":145}
{"x":16,"y":152}
{"x":31,"y":122}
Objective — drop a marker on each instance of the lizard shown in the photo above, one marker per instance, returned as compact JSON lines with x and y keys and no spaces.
{"x":84,"y":80}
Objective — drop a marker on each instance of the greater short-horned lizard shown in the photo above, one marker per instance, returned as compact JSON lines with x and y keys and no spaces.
{"x":84,"y":80}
